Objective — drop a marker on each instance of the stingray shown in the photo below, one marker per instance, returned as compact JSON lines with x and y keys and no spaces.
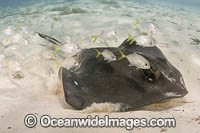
{"x":96,"y":80}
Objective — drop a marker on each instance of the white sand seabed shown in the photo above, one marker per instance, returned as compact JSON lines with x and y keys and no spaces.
{"x":38,"y":90}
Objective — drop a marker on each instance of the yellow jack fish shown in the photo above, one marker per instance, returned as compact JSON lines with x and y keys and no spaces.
{"x":135,"y":60}
{"x":107,"y":55}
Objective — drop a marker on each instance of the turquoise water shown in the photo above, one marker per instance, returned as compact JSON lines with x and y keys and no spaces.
{"x":184,"y":4}
{"x":21,"y":3}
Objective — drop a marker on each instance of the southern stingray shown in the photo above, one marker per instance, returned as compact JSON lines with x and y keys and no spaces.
{"x":98,"y":79}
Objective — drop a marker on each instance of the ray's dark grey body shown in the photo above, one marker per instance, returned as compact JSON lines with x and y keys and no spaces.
{"x":99,"y":81}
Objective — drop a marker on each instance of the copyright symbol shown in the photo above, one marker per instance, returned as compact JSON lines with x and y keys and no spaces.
{"x":30,"y":120}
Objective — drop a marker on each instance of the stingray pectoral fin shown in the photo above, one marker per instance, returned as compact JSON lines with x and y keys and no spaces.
{"x":73,"y":94}
{"x":66,"y":74}
{"x":75,"y":101}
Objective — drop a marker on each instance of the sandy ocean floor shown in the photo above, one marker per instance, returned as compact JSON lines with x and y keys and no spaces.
{"x":28,"y":76}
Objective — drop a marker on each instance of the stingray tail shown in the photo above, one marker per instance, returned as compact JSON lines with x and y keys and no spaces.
{"x":50,"y":39}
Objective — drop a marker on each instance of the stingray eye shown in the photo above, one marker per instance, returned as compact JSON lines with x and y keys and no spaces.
{"x":76,"y":83}
{"x":146,"y":64}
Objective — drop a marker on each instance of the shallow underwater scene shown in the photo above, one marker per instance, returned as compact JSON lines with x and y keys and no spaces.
{"x":30,"y":62}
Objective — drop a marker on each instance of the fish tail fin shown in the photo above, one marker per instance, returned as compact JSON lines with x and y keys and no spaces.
{"x":58,"y":65}
{"x":95,"y":38}
{"x":131,"y":39}
{"x":122,"y":55}
{"x":98,"y":53}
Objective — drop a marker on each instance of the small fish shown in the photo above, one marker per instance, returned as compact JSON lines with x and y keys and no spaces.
{"x":108,"y":55}
{"x":95,"y":38}
{"x":131,"y":39}
{"x":135,"y":60}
